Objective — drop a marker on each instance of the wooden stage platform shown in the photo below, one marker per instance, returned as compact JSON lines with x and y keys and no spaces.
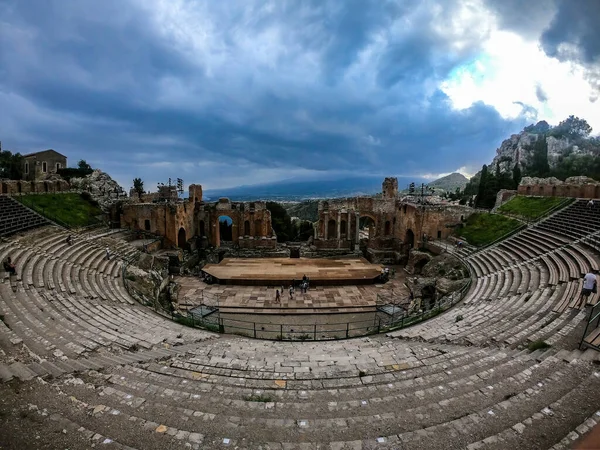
{"x":281,"y":271}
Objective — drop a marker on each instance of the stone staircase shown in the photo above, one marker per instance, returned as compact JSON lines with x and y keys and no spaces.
{"x":14,"y":217}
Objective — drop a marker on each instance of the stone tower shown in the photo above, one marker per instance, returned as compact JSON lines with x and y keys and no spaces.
{"x":195,"y":193}
{"x":389,"y":187}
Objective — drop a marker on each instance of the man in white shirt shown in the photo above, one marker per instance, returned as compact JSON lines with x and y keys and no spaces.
{"x":589,"y":284}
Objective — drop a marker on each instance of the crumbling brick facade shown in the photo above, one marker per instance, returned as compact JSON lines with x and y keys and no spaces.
{"x":578,"y":187}
{"x":396,"y":225}
{"x":178,"y":221}
{"x":13,"y":187}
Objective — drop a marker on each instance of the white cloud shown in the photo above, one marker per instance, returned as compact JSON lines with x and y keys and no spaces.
{"x":510,"y":70}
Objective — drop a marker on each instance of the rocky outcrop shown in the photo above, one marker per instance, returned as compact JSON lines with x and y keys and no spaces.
{"x":519,"y":148}
{"x":102,"y":188}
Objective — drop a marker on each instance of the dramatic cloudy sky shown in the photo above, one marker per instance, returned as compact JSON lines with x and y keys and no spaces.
{"x":233,"y":92}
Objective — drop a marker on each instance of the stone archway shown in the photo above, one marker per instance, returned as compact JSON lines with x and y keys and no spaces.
{"x":225,"y":228}
{"x":409,"y":239}
{"x":181,"y":238}
{"x":246,"y":228}
{"x":387,"y":228}
{"x":367,"y":225}
{"x":331,"y":229}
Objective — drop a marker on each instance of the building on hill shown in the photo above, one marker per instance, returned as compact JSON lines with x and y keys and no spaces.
{"x":38,"y":165}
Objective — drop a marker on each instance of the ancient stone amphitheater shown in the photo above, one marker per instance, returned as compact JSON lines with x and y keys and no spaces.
{"x":85,"y":366}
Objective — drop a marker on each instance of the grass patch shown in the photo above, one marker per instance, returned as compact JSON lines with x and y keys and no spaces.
{"x":74,"y":210}
{"x":529,"y":208}
{"x":537,"y":345}
{"x":482,"y":228}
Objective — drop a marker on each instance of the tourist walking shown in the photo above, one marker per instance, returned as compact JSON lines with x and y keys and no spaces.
{"x":9,"y":267}
{"x":277,"y":296}
{"x":107,"y":253}
{"x":590,"y":285}
{"x":292,"y":292}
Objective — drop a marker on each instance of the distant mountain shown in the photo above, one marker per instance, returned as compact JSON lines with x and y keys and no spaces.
{"x":298,"y":190}
{"x":449,"y":183}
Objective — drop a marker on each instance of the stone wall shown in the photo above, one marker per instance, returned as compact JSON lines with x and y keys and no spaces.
{"x":579,"y":187}
{"x":396,"y":224}
{"x":179,"y":221}
{"x":15,"y":187}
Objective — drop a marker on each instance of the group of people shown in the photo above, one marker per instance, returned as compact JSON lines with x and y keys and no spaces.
{"x":304,"y":286}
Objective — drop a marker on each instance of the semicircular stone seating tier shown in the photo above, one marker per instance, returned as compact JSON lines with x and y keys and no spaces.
{"x":133,"y":379}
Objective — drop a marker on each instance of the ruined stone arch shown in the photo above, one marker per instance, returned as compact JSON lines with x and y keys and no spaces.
{"x":225,"y":227}
{"x":369,"y":223}
{"x":409,"y":238}
{"x":181,"y":238}
{"x":258,"y":227}
{"x":331,"y":229}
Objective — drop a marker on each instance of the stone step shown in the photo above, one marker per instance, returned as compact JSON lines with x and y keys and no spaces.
{"x":21,"y":371}
{"x":5,"y":373}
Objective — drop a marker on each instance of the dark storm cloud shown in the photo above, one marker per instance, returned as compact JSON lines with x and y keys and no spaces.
{"x":100,"y":81}
{"x":576,"y":26}
{"x":574,"y":35}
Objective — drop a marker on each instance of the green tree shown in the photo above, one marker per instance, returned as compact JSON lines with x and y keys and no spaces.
{"x":83,"y":165}
{"x":516,"y":175}
{"x":482,"y":186}
{"x":573,"y":127}
{"x":138,"y":187}
{"x":539,"y":166}
{"x":11,"y":165}
{"x":281,"y":222}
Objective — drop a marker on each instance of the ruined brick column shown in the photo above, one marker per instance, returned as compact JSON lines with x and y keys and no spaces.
{"x":339,"y":234}
{"x":357,"y":236}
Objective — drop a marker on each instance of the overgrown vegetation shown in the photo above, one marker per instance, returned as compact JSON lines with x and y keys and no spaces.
{"x":283,"y":226}
{"x":537,"y":345}
{"x":529,"y":208}
{"x":507,"y":174}
{"x":262,"y":398}
{"x":83,"y":169}
{"x":11,"y":165}
{"x":73,"y":210}
{"x":482,"y":228}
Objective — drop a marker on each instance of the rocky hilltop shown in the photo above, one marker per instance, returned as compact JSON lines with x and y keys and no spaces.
{"x":450,"y":183}
{"x":101,"y":186}
{"x":560,"y":142}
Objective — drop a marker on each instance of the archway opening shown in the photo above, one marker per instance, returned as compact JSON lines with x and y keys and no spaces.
{"x":226,"y":228}
{"x":409,"y":239}
{"x":246,"y":228}
{"x":366,"y":228}
{"x":343,"y":228}
{"x":387,"y":228}
{"x":181,"y":238}
{"x":331,"y":230}
{"x":258,"y":227}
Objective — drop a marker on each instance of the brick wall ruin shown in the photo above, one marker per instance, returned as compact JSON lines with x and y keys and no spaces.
{"x":579,"y":187}
{"x":384,"y":227}
{"x":13,"y":187}
{"x":178,"y":221}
